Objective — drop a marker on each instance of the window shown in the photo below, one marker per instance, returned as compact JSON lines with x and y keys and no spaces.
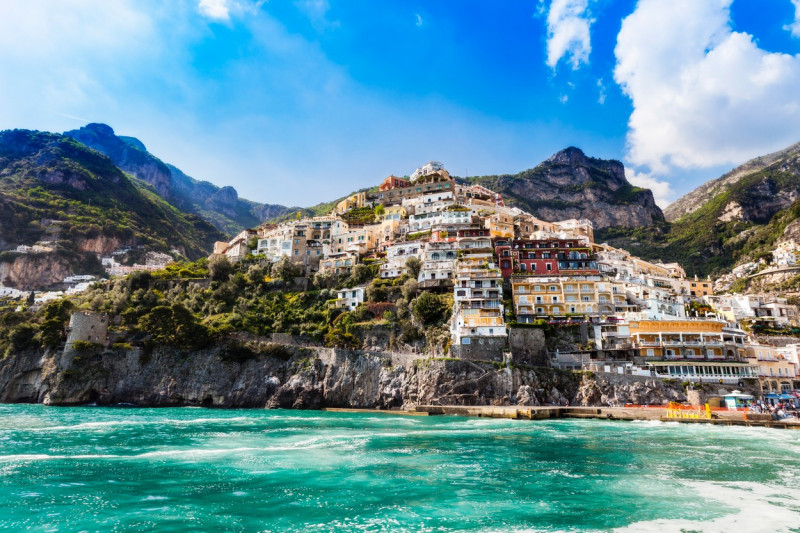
{"x":549,"y":266}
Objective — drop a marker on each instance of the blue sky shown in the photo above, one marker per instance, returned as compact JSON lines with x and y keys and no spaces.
{"x":297,"y":102}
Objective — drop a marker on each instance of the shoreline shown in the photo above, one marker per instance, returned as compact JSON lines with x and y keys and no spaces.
{"x":731,"y":418}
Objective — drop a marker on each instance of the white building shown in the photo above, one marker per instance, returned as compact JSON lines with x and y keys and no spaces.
{"x":432,"y":167}
{"x":396,"y":257}
{"x":350,"y":298}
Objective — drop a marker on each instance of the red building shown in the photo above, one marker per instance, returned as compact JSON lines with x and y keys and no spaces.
{"x":393,"y":182}
{"x":545,"y":257}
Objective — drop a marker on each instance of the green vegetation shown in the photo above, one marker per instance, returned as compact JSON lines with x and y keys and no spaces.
{"x":175,"y":307}
{"x":705,"y":244}
{"x":54,"y":188}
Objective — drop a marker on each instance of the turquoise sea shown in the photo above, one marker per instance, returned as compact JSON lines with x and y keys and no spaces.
{"x":121,"y":469}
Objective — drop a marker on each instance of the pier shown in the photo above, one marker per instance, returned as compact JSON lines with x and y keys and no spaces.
{"x":659,"y":413}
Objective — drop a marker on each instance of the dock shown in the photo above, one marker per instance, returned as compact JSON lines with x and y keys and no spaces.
{"x":658,"y":413}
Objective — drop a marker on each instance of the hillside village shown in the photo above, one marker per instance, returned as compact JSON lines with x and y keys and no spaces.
{"x":509,"y":272}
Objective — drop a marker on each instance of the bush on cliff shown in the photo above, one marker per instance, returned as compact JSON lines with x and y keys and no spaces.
{"x":175,"y":326}
{"x":55,"y":316}
{"x":432,"y":309}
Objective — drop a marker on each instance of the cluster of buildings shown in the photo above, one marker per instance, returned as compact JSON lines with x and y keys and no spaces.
{"x":507,"y":269}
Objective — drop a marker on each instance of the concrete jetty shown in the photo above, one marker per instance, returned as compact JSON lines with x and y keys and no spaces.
{"x":726,"y":418}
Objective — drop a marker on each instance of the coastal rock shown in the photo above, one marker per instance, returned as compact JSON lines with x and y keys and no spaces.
{"x":311,"y":378}
{"x":615,"y":389}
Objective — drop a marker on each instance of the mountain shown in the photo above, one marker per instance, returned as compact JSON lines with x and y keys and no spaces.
{"x":55,"y":189}
{"x":726,"y":221}
{"x":220,"y":206}
{"x":703,"y":194}
{"x":572,"y":185}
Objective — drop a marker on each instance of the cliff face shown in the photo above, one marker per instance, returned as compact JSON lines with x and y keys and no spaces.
{"x":220,"y":206}
{"x":701,"y":195}
{"x":55,"y":189}
{"x":572,"y":185}
{"x":32,"y":272}
{"x":727,"y":221}
{"x":309,"y":378}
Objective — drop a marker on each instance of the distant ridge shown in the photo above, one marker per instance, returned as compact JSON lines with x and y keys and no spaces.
{"x":219,"y":205}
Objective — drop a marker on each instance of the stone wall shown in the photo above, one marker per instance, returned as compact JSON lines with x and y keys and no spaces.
{"x":528,"y":346}
{"x":88,"y":327}
{"x":488,"y":349}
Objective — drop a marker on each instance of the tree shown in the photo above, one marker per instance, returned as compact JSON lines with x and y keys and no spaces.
{"x":430,"y":309}
{"x":414,"y":265}
{"x":55,"y":315}
{"x":410,"y":289}
{"x":21,"y":337}
{"x":361,"y":274}
{"x":174,"y":325}
{"x":380,"y":210}
{"x":376,"y":292}
{"x":139,"y":280}
{"x":286,"y":269}
{"x":219,"y":268}
{"x":326,"y":280}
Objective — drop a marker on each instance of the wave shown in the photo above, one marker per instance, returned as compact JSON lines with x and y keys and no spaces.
{"x":757,"y":507}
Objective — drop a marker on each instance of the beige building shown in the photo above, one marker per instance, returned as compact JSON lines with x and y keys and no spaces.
{"x":500,"y":225}
{"x":775,"y":372}
{"x":295,"y":241}
{"x":340,"y":263}
{"x":544,"y":297}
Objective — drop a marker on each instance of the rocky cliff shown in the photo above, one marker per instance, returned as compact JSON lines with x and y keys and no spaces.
{"x":703,"y":194}
{"x":733,"y":219}
{"x":573,"y":185}
{"x":301,"y":378}
{"x":34,"y":271}
{"x":220,"y":206}
{"x":56,"y":190}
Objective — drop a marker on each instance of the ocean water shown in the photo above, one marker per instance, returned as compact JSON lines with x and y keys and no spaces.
{"x":118,"y":469}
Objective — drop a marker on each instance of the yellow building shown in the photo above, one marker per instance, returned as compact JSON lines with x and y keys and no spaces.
{"x":528,"y":226}
{"x":562,"y":296}
{"x":687,"y":339}
{"x":694,"y":287}
{"x":500,"y":225}
{"x":359,"y":199}
{"x":693,"y":350}
{"x":775,"y":372}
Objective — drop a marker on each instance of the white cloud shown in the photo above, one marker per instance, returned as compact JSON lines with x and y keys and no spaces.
{"x":568,"y":23}
{"x":601,"y":91}
{"x":795,"y":27}
{"x":419,"y":20}
{"x":215,"y":9}
{"x":702,"y":94}
{"x":662,"y":191}
{"x":317,"y":13}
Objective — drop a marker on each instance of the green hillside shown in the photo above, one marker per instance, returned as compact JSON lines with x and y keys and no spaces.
{"x":54,"y":188}
{"x":739,"y":223}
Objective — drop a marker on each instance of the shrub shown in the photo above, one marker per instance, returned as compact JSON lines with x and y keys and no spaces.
{"x":219,"y":268}
{"x":431,"y":309}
